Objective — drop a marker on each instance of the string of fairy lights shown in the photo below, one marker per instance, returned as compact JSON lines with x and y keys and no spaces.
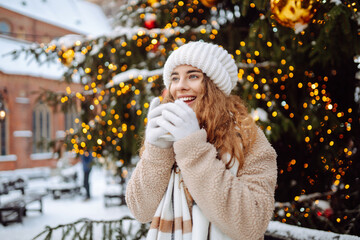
{"x":324,"y":134}
{"x":115,"y":124}
{"x":68,"y":56}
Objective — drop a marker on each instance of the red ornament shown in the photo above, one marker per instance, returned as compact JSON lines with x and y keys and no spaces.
{"x":156,"y":47}
{"x":150,"y":24}
{"x":328,"y":212}
{"x":150,"y":21}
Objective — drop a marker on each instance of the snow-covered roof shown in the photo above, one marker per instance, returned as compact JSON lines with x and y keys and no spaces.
{"x":75,"y":15}
{"x":26,"y":65}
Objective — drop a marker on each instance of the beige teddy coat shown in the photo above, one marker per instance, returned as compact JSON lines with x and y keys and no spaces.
{"x":240,"y":206}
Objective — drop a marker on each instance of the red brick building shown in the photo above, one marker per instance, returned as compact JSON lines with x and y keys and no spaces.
{"x":27,"y":125}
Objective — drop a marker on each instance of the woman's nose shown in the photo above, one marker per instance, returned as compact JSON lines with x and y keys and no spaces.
{"x":183,"y":84}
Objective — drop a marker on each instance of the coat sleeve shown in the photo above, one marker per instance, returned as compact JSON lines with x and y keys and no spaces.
{"x":149,"y":181}
{"x":240,"y":206}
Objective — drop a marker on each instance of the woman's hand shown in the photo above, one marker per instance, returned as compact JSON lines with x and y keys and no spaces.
{"x":179,"y":120}
{"x":154,"y":133}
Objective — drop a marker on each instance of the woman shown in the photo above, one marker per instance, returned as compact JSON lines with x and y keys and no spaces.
{"x":202,"y":144}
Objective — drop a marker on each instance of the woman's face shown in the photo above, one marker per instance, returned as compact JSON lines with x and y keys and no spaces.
{"x":187,"y":83}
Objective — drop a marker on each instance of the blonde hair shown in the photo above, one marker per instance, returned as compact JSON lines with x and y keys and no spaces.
{"x":228,"y":125}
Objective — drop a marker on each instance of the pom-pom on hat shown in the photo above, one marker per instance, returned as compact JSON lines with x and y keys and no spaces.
{"x":211,"y":59}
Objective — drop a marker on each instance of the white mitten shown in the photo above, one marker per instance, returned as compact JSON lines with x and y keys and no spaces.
{"x":153,"y":131}
{"x":179,"y":120}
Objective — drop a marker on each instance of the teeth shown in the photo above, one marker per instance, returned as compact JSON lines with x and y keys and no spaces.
{"x":184,"y":99}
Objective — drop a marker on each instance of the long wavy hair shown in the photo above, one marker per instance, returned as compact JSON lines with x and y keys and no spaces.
{"x":229,"y":126}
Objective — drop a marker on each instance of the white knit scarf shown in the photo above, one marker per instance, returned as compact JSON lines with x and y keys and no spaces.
{"x":173,"y":221}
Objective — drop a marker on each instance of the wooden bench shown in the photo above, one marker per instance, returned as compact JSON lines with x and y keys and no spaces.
{"x":60,"y":189}
{"x":114,"y":194}
{"x":15,"y":208}
{"x":12,"y":212}
{"x":108,"y":199}
{"x":66,"y":183}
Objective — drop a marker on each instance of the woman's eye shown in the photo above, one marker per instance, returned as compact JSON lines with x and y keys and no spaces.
{"x":193,"y":76}
{"x":174,"y":79}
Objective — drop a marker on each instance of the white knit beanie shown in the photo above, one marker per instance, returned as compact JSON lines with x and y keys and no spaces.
{"x":211,"y":59}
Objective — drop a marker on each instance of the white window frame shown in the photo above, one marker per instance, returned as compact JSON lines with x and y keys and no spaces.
{"x":41,"y":128}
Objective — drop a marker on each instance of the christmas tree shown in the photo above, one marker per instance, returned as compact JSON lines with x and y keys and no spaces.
{"x":297,"y":70}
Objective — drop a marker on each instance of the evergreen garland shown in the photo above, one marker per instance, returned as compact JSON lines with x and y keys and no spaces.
{"x":125,"y":228}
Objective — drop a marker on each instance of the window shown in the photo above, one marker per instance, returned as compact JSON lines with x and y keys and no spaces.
{"x":70,"y":117}
{"x":41,"y":128}
{"x":3,"y":127}
{"x":5,"y":28}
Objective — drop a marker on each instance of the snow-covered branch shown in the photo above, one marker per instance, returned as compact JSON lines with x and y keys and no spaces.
{"x":279,"y":230}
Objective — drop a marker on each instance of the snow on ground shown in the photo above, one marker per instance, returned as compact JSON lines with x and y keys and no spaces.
{"x":65,"y":210}
{"x":69,"y":209}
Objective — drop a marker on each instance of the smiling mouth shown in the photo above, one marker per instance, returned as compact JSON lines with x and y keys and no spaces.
{"x":187,"y":99}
